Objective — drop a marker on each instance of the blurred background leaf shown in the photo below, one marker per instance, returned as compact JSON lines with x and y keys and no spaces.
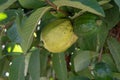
{"x":107,"y":58}
{"x":34,"y":65}
{"x":17,"y":68}
{"x":13,"y":34}
{"x":118,"y":3}
{"x":83,"y":59}
{"x":112,"y":16}
{"x":43,"y":62}
{"x":5,"y":4}
{"x":114,"y":47}
{"x":4,"y":62}
{"x":59,"y":65}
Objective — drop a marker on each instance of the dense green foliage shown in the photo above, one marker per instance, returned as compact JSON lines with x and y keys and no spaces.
{"x":94,"y":55}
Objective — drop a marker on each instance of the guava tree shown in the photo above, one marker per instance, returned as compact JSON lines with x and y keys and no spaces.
{"x":59,"y":40}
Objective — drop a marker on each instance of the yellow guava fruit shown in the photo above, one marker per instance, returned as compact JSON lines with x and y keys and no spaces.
{"x":58,"y":36}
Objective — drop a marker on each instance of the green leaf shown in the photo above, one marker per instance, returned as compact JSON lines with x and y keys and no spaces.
{"x":34,"y":65}
{"x":82,"y":59}
{"x":0,"y":46}
{"x":59,"y":65}
{"x":0,"y":51}
{"x":20,"y":18}
{"x":86,"y":72}
{"x":6,"y":5}
{"x":30,"y":26}
{"x":87,"y":42}
{"x":112,"y":16}
{"x":79,"y":78}
{"x":43,"y":62}
{"x":116,"y":75}
{"x":101,"y":34}
{"x":118,"y":3}
{"x":5,"y":66}
{"x":2,"y":61}
{"x":86,"y":5}
{"x":114,"y":47}
{"x":107,"y":58}
{"x":81,"y":75}
{"x":17,"y":68}
{"x":103,"y":2}
{"x":2,"y":1}
{"x":15,"y":37}
{"x":27,"y":59}
{"x":107,"y":6}
{"x":32,"y":3}
{"x":45,"y":78}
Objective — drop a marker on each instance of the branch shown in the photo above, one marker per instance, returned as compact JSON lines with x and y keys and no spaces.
{"x":51,"y":4}
{"x":8,"y":25}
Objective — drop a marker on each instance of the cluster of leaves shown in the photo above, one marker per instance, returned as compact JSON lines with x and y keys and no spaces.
{"x":94,"y":56}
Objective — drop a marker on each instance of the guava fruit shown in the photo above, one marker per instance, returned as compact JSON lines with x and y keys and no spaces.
{"x":58,"y":36}
{"x":85,"y":24}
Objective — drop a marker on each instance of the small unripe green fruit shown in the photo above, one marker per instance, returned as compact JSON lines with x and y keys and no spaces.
{"x":102,"y":72}
{"x":58,"y":36}
{"x":85,"y":24}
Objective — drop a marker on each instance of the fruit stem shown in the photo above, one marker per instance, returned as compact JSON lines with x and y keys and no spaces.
{"x":55,"y":7}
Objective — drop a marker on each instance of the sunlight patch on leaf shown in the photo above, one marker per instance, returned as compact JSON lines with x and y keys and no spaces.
{"x":17,"y":48}
{"x":3,"y":16}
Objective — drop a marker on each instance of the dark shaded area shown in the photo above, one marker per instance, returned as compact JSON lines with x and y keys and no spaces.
{"x":115,"y":32}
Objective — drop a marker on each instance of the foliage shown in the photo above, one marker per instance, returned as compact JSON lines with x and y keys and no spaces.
{"x":94,"y":56}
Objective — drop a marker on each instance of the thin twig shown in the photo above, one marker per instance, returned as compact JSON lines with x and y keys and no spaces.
{"x":100,"y":55}
{"x":9,"y":24}
{"x":51,"y":4}
{"x":3,"y":27}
